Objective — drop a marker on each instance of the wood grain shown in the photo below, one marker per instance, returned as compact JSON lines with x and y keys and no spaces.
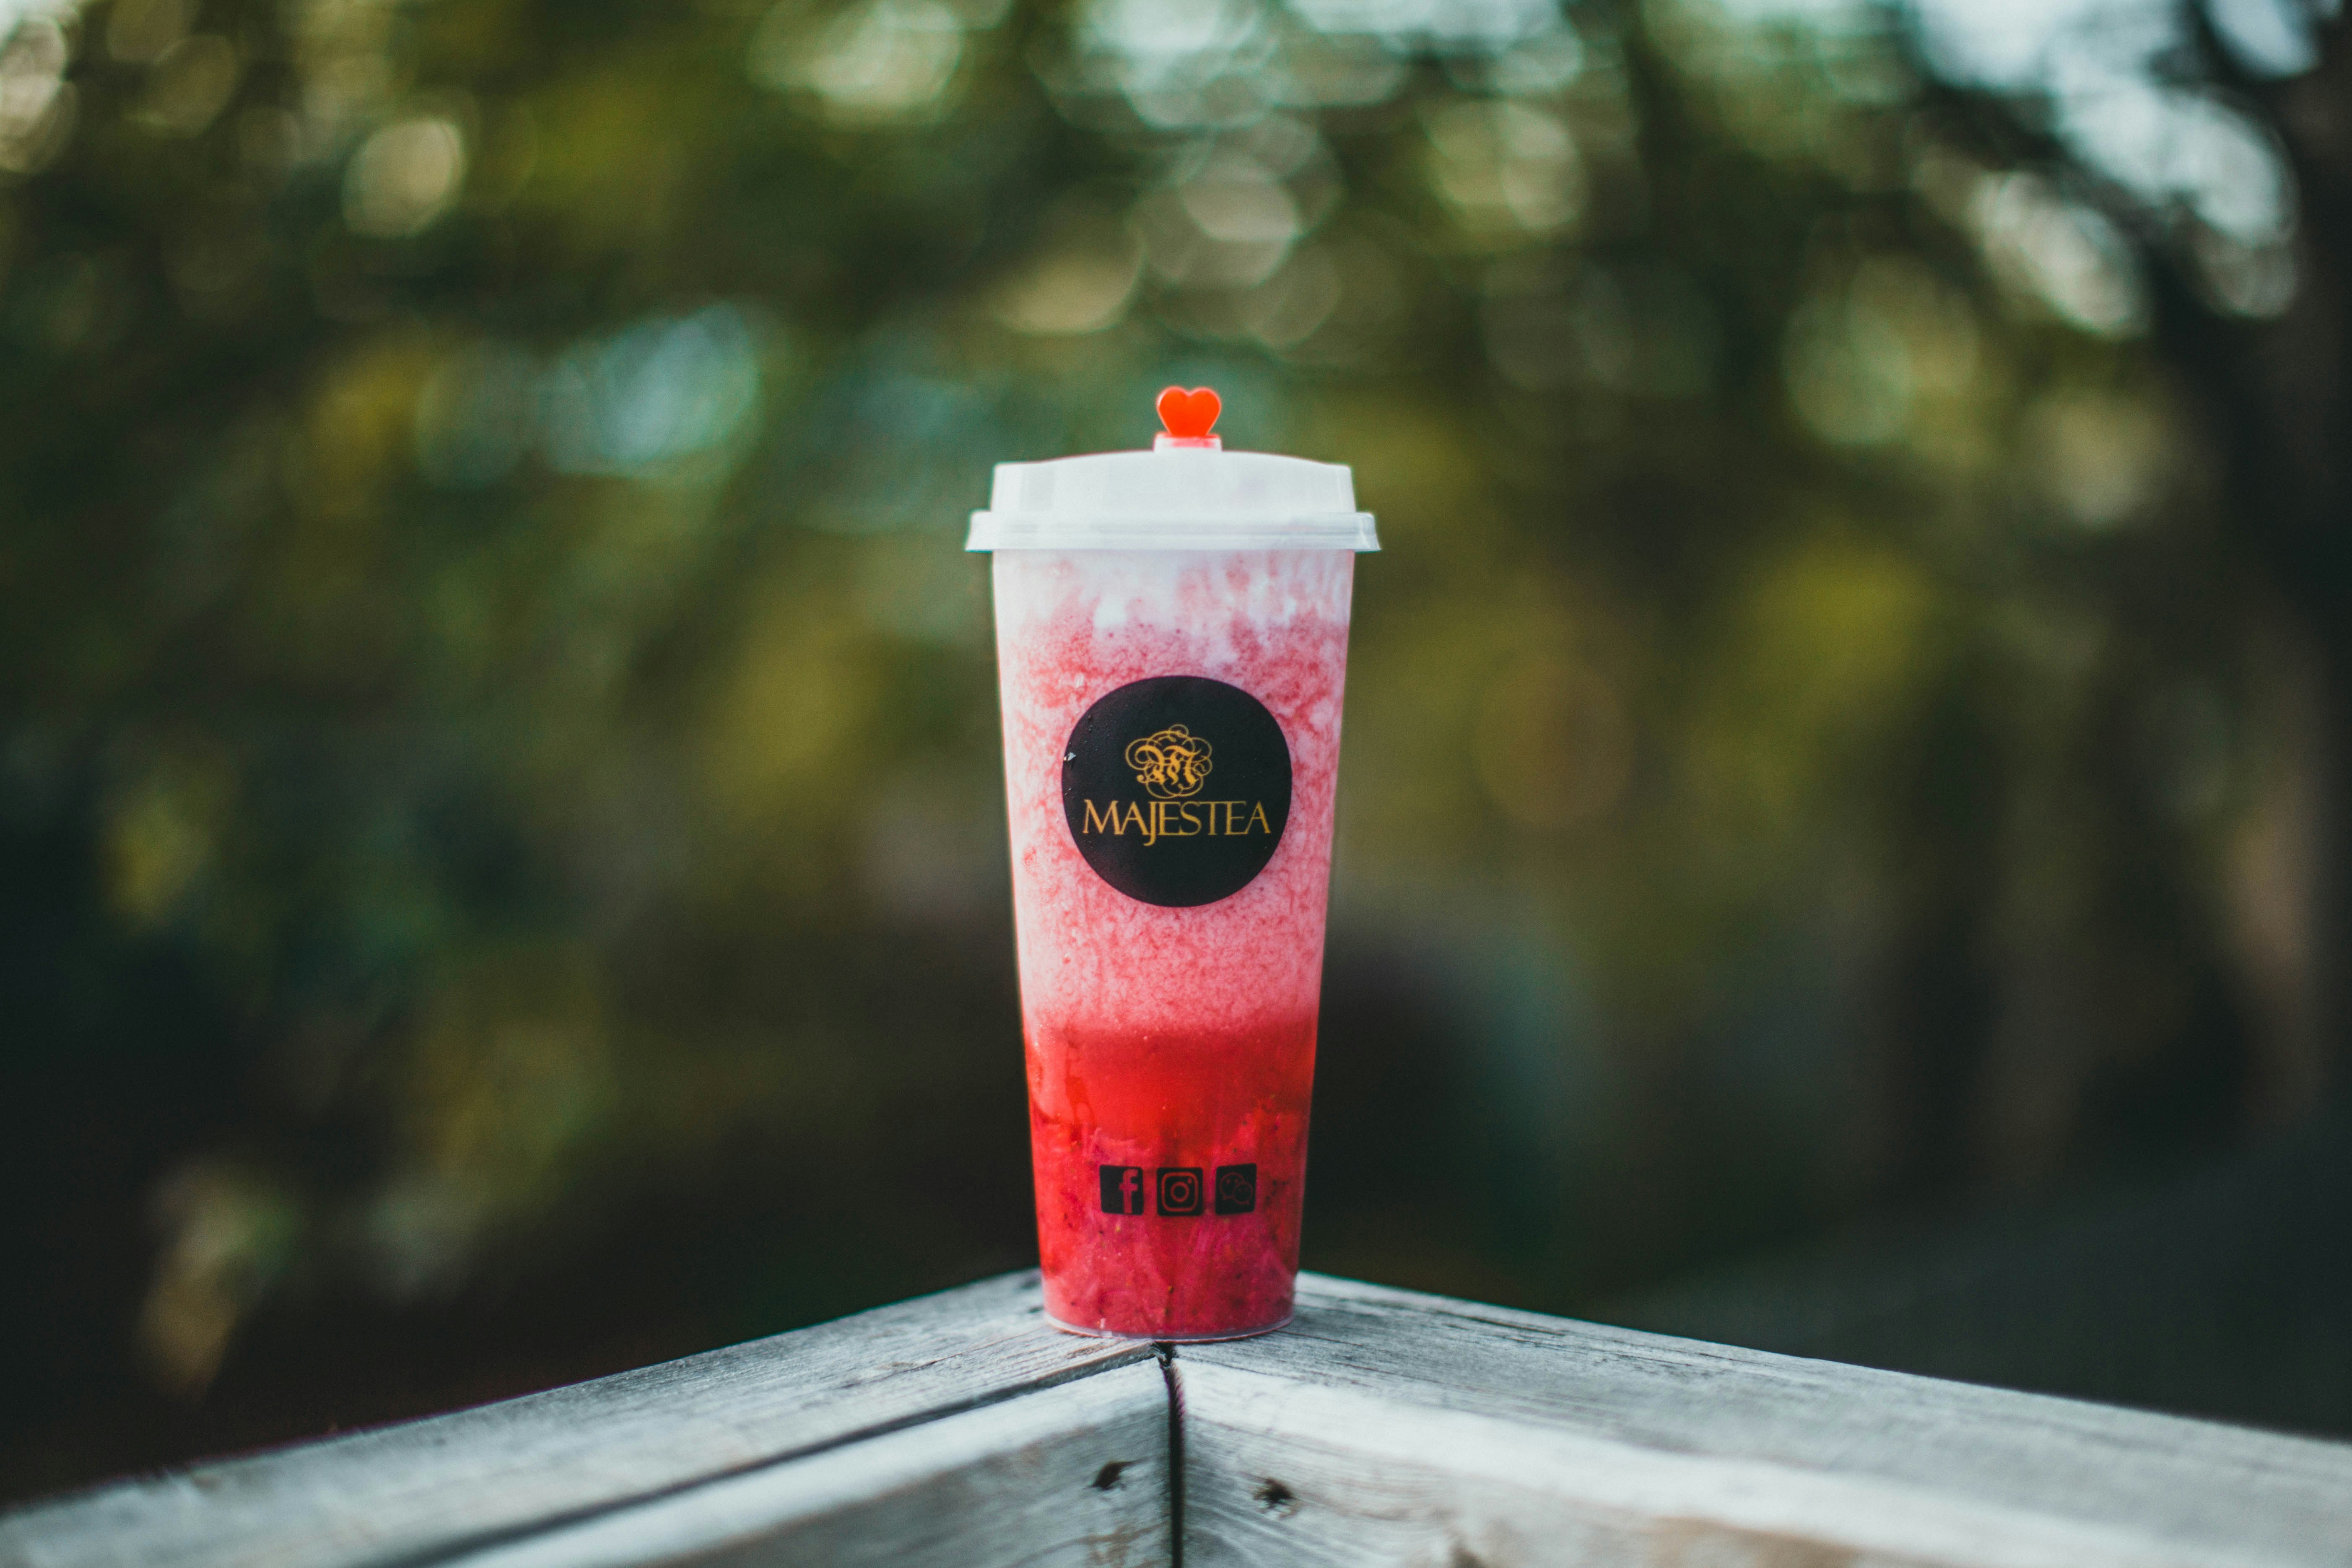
{"x":1076,"y":1475}
{"x":1389,"y":1428}
{"x":428,"y":1489}
{"x":1382,"y":1428}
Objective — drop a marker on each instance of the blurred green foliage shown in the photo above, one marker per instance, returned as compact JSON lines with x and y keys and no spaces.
{"x":496,"y":736}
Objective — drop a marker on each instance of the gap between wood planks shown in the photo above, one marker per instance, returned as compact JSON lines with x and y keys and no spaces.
{"x":1175,"y":1452}
{"x":1383,"y":1426}
{"x":459,"y":1551}
{"x":1386,"y":1426}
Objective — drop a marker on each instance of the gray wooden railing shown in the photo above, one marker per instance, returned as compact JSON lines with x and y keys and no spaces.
{"x":1382,"y":1428}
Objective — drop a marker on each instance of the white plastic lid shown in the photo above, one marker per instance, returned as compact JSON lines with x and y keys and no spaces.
{"x":1185,"y":496}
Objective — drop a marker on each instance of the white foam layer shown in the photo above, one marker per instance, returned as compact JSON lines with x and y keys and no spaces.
{"x":1176,"y":499}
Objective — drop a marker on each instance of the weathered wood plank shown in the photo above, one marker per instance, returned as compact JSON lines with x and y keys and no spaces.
{"x":1382,"y":1428}
{"x":425,"y":1490}
{"x":1076,"y":1475}
{"x":1387,"y":1427}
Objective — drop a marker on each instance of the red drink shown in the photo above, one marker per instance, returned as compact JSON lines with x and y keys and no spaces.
{"x":1172,"y":739}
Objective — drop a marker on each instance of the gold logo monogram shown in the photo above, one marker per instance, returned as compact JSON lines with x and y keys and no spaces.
{"x":1137,"y":789}
{"x":1172,"y":764}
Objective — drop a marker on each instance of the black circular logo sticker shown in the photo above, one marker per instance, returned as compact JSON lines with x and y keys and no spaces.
{"x":1177,"y":789}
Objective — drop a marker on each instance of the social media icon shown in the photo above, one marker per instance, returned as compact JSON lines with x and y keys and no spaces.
{"x":1123,"y":1189}
{"x":1179,"y":1190}
{"x":1237,"y":1189}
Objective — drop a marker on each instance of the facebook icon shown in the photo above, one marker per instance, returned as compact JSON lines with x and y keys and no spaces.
{"x":1123,"y":1189}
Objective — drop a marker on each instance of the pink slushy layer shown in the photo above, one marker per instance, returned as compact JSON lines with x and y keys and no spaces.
{"x":1160,"y":1038}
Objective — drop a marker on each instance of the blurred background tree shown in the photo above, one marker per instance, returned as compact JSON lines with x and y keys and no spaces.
{"x":1842,"y":839}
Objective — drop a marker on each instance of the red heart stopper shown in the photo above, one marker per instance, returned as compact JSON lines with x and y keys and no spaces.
{"x":1190,"y":416}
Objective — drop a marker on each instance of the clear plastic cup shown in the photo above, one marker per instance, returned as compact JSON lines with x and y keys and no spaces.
{"x":1172,"y":646}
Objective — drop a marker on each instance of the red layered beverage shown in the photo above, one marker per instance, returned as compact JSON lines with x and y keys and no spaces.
{"x":1172,"y":641}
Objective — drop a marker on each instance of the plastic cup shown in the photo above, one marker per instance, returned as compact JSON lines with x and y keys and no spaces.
{"x":1172,"y":647}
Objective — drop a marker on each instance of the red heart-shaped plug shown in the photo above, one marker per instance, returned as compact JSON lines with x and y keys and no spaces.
{"x":1189,"y":416}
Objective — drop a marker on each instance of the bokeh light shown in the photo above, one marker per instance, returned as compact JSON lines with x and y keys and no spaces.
{"x":499,"y":767}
